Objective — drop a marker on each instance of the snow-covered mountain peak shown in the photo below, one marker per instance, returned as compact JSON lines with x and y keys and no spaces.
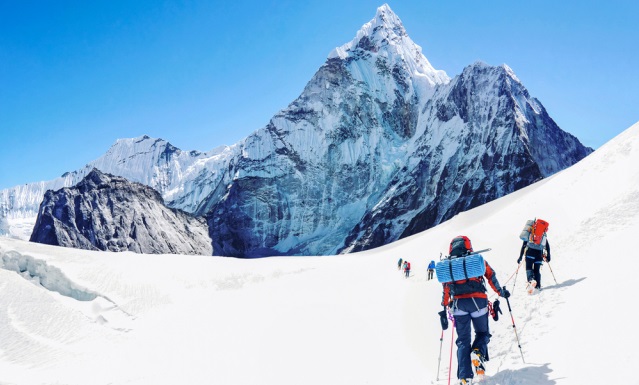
{"x":383,"y":30}
{"x":386,"y":18}
{"x":385,"y":36}
{"x":141,"y":145}
{"x":509,"y":71}
{"x":497,"y":81}
{"x":479,"y":67}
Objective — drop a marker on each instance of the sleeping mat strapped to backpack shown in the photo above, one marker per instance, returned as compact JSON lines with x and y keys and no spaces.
{"x":457,"y":269}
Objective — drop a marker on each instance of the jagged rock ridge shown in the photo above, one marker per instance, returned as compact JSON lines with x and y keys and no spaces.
{"x":106,"y":212}
{"x":483,"y":137}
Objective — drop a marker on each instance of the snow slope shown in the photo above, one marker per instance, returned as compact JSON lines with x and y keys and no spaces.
{"x":353,"y":319}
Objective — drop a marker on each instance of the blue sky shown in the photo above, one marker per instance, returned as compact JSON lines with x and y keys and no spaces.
{"x":77,"y":75}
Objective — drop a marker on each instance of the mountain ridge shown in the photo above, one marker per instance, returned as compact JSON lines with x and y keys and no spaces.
{"x":379,"y":145}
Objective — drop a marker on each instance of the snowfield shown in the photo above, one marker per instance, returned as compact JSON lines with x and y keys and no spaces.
{"x":80,"y":317}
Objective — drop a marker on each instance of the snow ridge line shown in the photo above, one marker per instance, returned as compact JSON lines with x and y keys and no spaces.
{"x":40,"y":273}
{"x":97,"y":307}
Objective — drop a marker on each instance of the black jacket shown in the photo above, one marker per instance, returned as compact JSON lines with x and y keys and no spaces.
{"x":534,"y":253}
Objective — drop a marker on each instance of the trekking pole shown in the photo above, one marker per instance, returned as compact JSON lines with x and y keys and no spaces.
{"x":439,"y":360}
{"x":553,"y":274}
{"x":516,"y":274}
{"x":450,"y":362}
{"x":515,"y":329}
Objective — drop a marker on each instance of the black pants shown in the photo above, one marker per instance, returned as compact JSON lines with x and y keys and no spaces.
{"x":533,"y":269}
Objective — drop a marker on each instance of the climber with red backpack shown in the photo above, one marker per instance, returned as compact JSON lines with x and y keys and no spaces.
{"x":536,"y":248}
{"x":464,"y":275}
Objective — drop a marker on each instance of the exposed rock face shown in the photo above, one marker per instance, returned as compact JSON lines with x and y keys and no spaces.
{"x":380,"y":146}
{"x":483,"y":137}
{"x":105,"y":212}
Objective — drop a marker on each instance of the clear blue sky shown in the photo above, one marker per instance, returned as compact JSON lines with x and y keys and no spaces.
{"x":77,"y":75}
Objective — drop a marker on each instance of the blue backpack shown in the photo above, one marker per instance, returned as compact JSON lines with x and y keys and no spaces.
{"x":462,"y":270}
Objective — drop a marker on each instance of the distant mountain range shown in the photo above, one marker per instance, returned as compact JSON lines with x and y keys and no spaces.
{"x":378,"y":146}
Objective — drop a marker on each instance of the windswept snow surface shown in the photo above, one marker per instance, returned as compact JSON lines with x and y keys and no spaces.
{"x":351,"y":319}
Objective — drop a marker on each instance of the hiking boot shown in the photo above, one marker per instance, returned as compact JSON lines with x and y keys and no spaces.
{"x":478,"y":362}
{"x":466,"y":381}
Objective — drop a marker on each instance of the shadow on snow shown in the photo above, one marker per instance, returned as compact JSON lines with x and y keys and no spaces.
{"x":537,"y":375}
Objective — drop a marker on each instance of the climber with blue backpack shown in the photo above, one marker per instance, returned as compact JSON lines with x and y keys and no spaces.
{"x":431,"y":270}
{"x":463,"y":275}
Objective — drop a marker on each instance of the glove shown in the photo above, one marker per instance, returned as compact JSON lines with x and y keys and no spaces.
{"x":548,"y":258}
{"x":519,"y":261}
{"x":443,"y":319}
{"x":496,"y":310}
{"x":504,"y":292}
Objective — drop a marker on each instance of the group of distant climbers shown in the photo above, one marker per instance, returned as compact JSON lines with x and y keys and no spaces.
{"x":405,"y":266}
{"x":463,"y":274}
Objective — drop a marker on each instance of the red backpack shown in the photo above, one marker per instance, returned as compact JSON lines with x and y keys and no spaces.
{"x":537,"y":239}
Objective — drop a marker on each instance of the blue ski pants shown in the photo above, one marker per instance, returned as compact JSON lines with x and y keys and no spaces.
{"x":467,"y":311}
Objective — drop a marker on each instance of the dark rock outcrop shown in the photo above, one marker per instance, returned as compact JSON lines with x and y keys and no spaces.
{"x":106,"y":212}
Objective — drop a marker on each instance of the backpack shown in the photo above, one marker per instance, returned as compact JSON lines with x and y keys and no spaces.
{"x":408,"y":266}
{"x":460,"y":245}
{"x":525,"y":233}
{"x":460,"y":268}
{"x":464,"y":275}
{"x":463,"y":272}
{"x":537,"y":237}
